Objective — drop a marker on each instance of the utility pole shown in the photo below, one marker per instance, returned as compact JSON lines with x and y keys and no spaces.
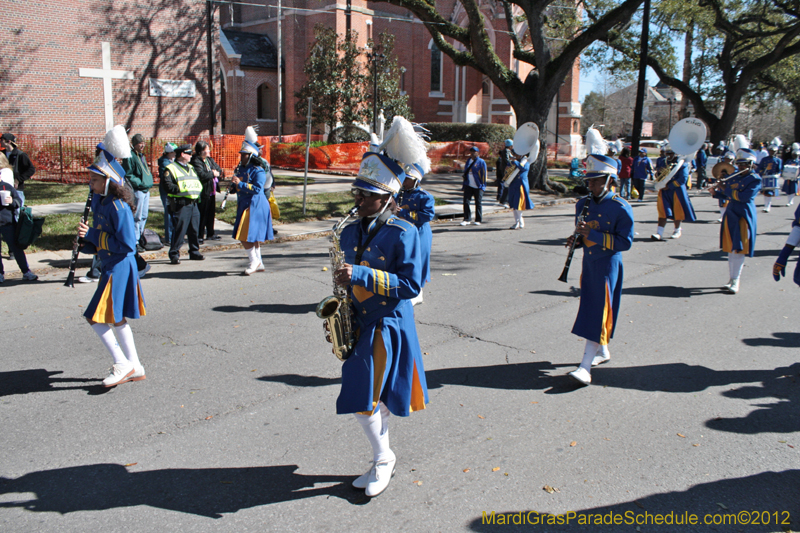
{"x":280,"y":78}
{"x":308,"y":147}
{"x":637,"y":111}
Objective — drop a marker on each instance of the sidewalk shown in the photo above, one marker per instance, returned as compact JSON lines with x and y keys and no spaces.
{"x":444,"y":186}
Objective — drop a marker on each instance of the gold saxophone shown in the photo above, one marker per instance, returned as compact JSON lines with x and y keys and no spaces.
{"x":336,"y":309}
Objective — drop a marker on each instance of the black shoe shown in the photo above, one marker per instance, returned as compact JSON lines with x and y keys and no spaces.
{"x":201,"y":241}
{"x":175,"y":260}
{"x":196,"y":257}
{"x":140,"y":249}
{"x":215,"y":238}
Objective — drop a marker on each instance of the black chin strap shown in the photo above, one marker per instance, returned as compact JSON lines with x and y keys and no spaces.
{"x":382,"y":219}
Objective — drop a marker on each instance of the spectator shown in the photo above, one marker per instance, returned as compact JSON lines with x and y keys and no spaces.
{"x":641,"y":171}
{"x":20,"y":163}
{"x":209,"y":173}
{"x":6,"y":170}
{"x":625,"y":173}
{"x":10,"y":202}
{"x":473,"y":187}
{"x":503,"y":162}
{"x":165,"y":160}
{"x":700,"y":160}
{"x":183,"y":188}
{"x":141,"y":180}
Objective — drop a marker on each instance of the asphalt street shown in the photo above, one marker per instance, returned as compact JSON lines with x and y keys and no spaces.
{"x":235,"y":429}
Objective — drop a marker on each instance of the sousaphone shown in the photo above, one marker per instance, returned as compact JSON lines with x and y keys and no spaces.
{"x":685,"y":138}
{"x":526,"y":143}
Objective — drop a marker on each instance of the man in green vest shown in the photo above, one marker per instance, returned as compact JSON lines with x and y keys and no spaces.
{"x":141,"y":179}
{"x":183,"y":189}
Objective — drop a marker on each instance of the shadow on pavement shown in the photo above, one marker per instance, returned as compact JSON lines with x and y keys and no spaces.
{"x":41,"y":380}
{"x":788,"y":339}
{"x":774,"y":493}
{"x":669,"y":291}
{"x":206,"y":492}
{"x":187,"y":275}
{"x":278,"y":309}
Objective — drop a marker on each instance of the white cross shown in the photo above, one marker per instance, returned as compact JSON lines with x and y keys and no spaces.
{"x":107,"y":74}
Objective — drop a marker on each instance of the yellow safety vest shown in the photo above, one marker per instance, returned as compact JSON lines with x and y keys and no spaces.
{"x":187,"y":180}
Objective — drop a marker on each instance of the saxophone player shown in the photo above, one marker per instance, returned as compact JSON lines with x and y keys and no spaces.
{"x":384,"y":373}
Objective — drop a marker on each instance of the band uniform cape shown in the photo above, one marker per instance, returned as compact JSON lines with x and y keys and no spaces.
{"x":789,"y":187}
{"x":113,"y":238}
{"x":738,"y":231}
{"x":386,"y":363}
{"x":518,"y":191}
{"x":795,"y":224}
{"x":417,"y":206}
{"x":611,"y":221}
{"x":673,"y":199}
{"x":253,"y":216}
{"x":769,"y":166}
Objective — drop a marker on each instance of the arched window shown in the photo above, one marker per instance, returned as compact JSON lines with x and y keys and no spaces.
{"x":436,"y":68}
{"x":267,"y":102}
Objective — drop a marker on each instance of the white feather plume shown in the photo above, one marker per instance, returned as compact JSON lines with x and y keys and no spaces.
{"x":250,"y":135}
{"x":116,"y":142}
{"x":403,"y":144}
{"x":739,"y":142}
{"x":795,"y":147}
{"x":595,"y":144}
{"x":777,"y":142}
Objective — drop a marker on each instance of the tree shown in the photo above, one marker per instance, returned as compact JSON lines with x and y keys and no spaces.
{"x":549,"y":35}
{"x":389,"y":97}
{"x":782,"y":81}
{"x":593,"y":110}
{"x":745,"y":37}
{"x":334,"y":78}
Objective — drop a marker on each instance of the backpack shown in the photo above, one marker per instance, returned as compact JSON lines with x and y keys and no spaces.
{"x":150,"y":240}
{"x":29,"y":228}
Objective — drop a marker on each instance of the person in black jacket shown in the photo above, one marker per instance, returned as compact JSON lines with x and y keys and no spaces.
{"x":9,"y":202}
{"x":20,"y":162}
{"x":209,"y":173}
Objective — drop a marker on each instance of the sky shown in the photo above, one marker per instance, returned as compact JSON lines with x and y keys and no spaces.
{"x":593,"y":81}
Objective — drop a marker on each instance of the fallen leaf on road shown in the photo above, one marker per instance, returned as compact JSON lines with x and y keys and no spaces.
{"x":550,"y":490}
{"x":495,"y":469}
{"x":417,"y":483}
{"x":534,"y":402}
{"x":254,"y":370}
{"x":573,"y":443}
{"x":790,"y":446}
{"x":324,"y":269}
{"x":782,"y":441}
{"x":695,"y":445}
{"x":682,"y":436}
{"x":209,"y":417}
{"x":505,"y":474}
{"x":481,"y":417}
{"x":466,"y":470}
{"x":131,"y":464}
{"x":448,"y":274}
{"x":235,"y":326}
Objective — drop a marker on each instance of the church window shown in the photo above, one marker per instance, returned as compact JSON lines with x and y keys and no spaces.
{"x":436,"y":69}
{"x":267,"y":101}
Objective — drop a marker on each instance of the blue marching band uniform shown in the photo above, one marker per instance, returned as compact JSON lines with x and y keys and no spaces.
{"x":779,"y":269}
{"x":789,"y":187}
{"x":610,"y":219}
{"x":519,"y":194}
{"x":112,"y":237}
{"x":769,"y":169}
{"x":253,"y":216}
{"x":674,"y":203}
{"x":418,"y":207}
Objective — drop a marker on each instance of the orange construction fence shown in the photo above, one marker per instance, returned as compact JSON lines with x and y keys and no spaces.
{"x":64,"y":159}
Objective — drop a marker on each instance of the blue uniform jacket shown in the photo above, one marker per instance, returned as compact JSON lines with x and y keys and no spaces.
{"x":387,"y":348}
{"x":741,"y":192}
{"x":112,"y":235}
{"x":611,"y":221}
{"x":417,"y":206}
{"x":250,"y":195}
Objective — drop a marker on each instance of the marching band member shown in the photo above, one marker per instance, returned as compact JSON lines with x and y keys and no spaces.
{"x":769,"y":168}
{"x":722,"y":200}
{"x":606,"y":232}
{"x":642,"y":170}
{"x":417,"y":206}
{"x":673,"y":201}
{"x":779,"y":268}
{"x":789,"y":187}
{"x":519,"y":194}
{"x":253,"y":224}
{"x":113,"y":238}
{"x":738,"y":231}
{"x":384,"y":374}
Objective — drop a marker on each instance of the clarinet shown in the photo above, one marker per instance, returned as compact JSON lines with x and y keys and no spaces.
{"x":75,"y":247}
{"x":229,"y":189}
{"x":575,"y":237}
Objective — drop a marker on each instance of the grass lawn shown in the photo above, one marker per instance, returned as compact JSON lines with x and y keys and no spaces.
{"x":46,"y":192}
{"x":318,"y":207}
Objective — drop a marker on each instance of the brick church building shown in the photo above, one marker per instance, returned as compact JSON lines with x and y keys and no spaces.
{"x":74,"y":68}
{"x":438,"y":90}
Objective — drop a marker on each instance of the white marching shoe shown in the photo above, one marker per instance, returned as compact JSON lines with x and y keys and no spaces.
{"x":655,"y":237}
{"x":581,"y":375}
{"x":601,"y":358}
{"x":515,"y":226}
{"x":138,"y":373}
{"x":676,"y":234}
{"x":732,"y":287}
{"x":254,"y":268}
{"x":380,"y":476}
{"x":361,"y":481}
{"x":120,"y":373}
{"x":416,"y":300}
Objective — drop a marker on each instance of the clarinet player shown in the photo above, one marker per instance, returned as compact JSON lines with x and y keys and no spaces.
{"x":605,"y":233}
